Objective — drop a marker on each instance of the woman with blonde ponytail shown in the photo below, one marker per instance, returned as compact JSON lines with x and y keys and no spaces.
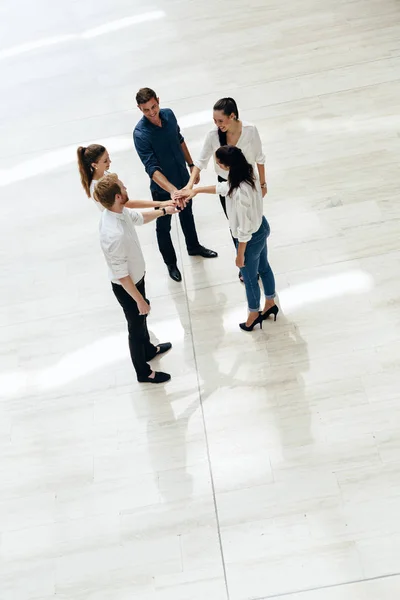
{"x":93,"y":163}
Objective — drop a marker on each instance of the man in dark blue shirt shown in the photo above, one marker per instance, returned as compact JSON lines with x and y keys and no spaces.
{"x":163,"y":151}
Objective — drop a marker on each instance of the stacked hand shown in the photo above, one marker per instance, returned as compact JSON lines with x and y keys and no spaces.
{"x":182,"y":197}
{"x":171,"y":207}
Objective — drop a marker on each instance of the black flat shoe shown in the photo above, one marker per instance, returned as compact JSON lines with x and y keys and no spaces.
{"x":159,"y":377}
{"x":174,"y":273}
{"x":257,"y":321}
{"x":162,"y":348}
{"x":204,"y":252}
{"x":271,"y":311}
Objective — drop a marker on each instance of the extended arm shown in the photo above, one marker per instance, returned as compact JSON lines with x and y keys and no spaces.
{"x":148,"y":203}
{"x":202,"y":162}
{"x":151,"y":215}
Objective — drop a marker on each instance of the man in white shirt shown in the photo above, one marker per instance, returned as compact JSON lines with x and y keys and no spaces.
{"x":122,"y":251}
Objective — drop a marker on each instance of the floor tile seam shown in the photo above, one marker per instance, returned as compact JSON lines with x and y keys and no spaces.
{"x":293,"y":77}
{"x":326,"y":587}
{"x":68,"y":313}
{"x":181,"y":244}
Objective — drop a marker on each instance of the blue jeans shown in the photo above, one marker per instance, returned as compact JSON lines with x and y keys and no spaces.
{"x":256,"y":262}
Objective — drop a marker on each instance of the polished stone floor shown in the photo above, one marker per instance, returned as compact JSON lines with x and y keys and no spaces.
{"x":269,"y":466}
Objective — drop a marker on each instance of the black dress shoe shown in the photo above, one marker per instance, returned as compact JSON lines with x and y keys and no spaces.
{"x":162,"y":348}
{"x":174,"y":273}
{"x":159,"y":377}
{"x":204,"y":252}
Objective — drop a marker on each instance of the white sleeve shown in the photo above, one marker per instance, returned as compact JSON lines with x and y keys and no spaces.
{"x":135,"y":216}
{"x":257,"y":146}
{"x":114,"y":251}
{"x":222,"y":188}
{"x":206,"y":152}
{"x":244,"y":214}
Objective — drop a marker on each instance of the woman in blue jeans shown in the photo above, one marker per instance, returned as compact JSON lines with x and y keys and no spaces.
{"x":249,"y":227}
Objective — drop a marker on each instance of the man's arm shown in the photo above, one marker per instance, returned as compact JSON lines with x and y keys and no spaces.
{"x":155,"y":214}
{"x":150,"y":162}
{"x":116,"y":253}
{"x":186,"y":153}
{"x":132,"y":290}
{"x":163,"y":182}
{"x":194,"y":171}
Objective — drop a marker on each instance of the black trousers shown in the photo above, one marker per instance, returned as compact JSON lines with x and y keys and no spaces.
{"x":223,"y":204}
{"x":140,"y":347}
{"x":163,"y":229}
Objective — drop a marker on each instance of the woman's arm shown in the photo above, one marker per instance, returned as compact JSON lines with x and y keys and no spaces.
{"x":209,"y":189}
{"x":202,"y":161}
{"x":240,"y":254}
{"x":260,"y":160}
{"x":263,"y":180}
{"x":183,"y":196}
{"x":148,"y":203}
{"x":244,"y":201}
{"x":194,"y":174}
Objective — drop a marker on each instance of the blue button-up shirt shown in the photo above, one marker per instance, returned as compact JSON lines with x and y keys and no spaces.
{"x":159,"y":149}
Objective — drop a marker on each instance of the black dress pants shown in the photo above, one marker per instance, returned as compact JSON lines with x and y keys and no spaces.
{"x":163,"y":230}
{"x":140,"y":347}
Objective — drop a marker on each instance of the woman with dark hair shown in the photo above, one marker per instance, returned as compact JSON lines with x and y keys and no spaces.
{"x":230,"y":130}
{"x":93,"y":163}
{"x":249,"y":228}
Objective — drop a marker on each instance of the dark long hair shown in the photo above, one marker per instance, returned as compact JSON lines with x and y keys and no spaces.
{"x":87,"y":156}
{"x":240,"y":171}
{"x":228,"y":106}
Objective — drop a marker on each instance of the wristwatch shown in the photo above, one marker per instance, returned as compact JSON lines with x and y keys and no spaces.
{"x":264,"y":185}
{"x":164,"y":211}
{"x":191,"y":165}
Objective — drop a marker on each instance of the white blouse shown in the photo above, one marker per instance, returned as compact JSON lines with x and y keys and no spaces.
{"x":249,"y":143}
{"x":92,"y":186}
{"x":244,"y":209}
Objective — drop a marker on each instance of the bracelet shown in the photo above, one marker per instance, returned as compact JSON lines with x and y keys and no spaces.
{"x":263,"y":185}
{"x":164,"y":211}
{"x":191,"y":165}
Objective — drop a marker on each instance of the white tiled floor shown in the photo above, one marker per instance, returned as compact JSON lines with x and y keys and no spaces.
{"x":268,"y":466}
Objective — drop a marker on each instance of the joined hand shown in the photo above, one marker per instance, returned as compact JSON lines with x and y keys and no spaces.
{"x":182,"y":197}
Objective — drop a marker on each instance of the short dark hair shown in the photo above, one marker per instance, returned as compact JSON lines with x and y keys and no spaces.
{"x":144,"y":95}
{"x":106,"y":190}
{"x":228,"y":106}
{"x":240,"y":171}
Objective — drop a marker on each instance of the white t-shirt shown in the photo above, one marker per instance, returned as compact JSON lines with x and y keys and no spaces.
{"x":249,"y":143}
{"x":120,"y":244}
{"x":244,"y":209}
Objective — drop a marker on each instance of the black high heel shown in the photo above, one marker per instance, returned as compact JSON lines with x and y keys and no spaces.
{"x":257,"y":321}
{"x":271,"y":311}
